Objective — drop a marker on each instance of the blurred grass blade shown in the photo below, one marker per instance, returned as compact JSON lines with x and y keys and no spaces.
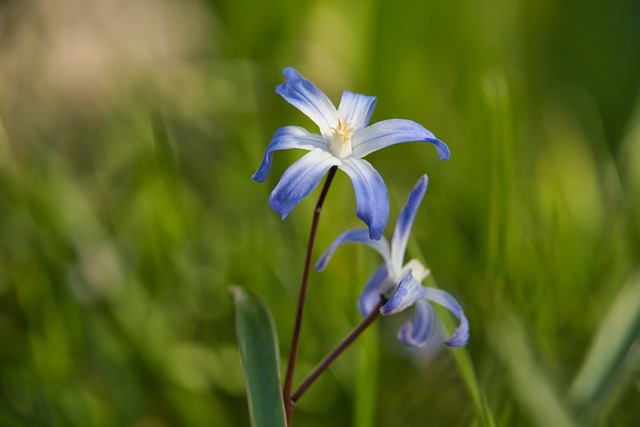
{"x":533,"y":385}
{"x":462,"y":357}
{"x":260,"y":359}
{"x":609,"y":357}
{"x":500,"y":135}
{"x":366,"y":387}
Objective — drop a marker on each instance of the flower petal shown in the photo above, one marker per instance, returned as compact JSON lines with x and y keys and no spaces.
{"x":409,"y":291}
{"x":372,"y":199}
{"x":300,"y":180}
{"x":405,"y":221}
{"x":306,"y":97}
{"x":417,"y":333}
{"x":394,"y":131}
{"x":358,"y":235}
{"x":285,"y":138}
{"x":460,"y":335}
{"x":370,"y":296}
{"x":356,"y":108}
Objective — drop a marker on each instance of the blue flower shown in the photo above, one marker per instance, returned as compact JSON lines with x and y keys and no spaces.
{"x":343,"y":141}
{"x":401,"y":284}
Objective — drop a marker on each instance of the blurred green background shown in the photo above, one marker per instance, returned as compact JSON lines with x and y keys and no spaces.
{"x":129,"y":131}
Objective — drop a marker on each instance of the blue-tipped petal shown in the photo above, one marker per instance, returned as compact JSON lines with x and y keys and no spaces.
{"x":388,"y":132}
{"x":306,"y":97}
{"x":409,"y":291}
{"x":285,"y":138}
{"x":370,"y":296}
{"x":405,"y":221}
{"x":417,"y":333}
{"x":359,"y":235}
{"x":460,"y":335}
{"x":372,"y":199}
{"x":356,"y":108}
{"x":300,"y":179}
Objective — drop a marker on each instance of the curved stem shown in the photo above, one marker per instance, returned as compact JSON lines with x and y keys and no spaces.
{"x":329,"y":358}
{"x":293,"y":353}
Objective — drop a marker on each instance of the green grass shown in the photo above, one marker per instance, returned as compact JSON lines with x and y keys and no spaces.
{"x":126,"y":210}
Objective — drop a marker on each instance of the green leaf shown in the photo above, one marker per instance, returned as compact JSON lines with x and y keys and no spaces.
{"x":612,"y":357}
{"x":260,"y":359}
{"x":537,"y":390}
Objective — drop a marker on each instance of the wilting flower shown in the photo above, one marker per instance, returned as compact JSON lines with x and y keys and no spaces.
{"x":343,"y":141}
{"x":401,"y":284}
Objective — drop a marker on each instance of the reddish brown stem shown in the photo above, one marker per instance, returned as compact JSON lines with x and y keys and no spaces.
{"x":329,"y":358}
{"x":289,"y":404}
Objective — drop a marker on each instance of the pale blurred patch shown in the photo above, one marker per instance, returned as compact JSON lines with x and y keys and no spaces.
{"x":98,"y":272}
{"x":80,"y":54}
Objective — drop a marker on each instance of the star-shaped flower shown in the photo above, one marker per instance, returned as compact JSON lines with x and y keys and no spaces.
{"x":343,"y":141}
{"x":401,"y":284}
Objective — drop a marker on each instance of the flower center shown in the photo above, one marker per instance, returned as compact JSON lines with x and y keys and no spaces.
{"x":418,"y":271}
{"x":340,"y":144}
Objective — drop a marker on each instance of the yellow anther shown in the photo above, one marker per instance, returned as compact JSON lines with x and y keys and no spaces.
{"x":340,"y":144}
{"x":343,"y":130}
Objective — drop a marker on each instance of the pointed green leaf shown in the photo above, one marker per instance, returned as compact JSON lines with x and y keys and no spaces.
{"x":260,"y":359}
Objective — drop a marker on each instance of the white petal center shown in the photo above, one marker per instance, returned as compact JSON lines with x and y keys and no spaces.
{"x":418,"y":271}
{"x":340,"y":144}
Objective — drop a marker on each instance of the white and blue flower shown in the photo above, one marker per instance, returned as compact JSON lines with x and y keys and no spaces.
{"x":344,"y":139}
{"x":401,"y":284}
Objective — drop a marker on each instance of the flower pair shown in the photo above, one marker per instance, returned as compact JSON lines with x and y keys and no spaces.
{"x":344,"y":139}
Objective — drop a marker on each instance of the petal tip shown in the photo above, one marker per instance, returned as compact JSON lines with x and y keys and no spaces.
{"x":460,"y":335}
{"x":375,"y":234}
{"x":290,"y":73}
{"x":443,"y":150}
{"x":258,"y":178}
{"x":279,"y":207}
{"x":457,"y":341}
{"x":421,"y":187}
{"x":385,"y":311}
{"x":321,"y":264}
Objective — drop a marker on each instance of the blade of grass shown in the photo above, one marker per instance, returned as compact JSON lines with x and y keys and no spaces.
{"x":367,"y":381}
{"x":460,"y":355}
{"x":367,"y":369}
{"x":501,"y":161}
{"x":465,"y":367}
{"x":532,"y":384}
{"x":609,"y":356}
{"x":260,"y":359}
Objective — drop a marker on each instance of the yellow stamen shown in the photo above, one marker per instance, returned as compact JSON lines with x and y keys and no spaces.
{"x":341,"y":141}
